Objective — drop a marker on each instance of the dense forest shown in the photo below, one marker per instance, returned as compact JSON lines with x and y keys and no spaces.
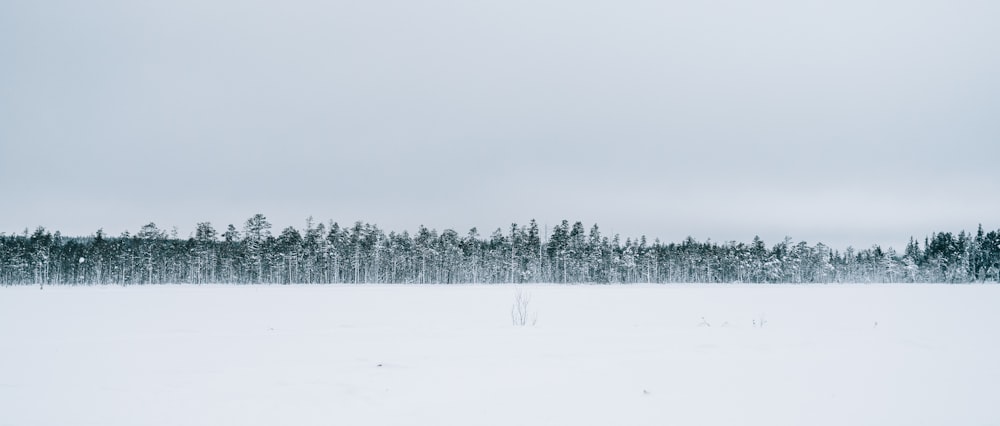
{"x":363,"y":253}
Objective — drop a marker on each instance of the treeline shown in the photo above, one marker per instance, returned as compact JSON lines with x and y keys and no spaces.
{"x":363,"y":253}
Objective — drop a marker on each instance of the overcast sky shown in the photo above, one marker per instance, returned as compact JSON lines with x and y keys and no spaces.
{"x":848,"y":122}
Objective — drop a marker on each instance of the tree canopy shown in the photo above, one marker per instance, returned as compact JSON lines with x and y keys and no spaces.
{"x":364,"y":253}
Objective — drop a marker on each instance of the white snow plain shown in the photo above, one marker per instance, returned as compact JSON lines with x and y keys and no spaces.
{"x":449,"y":355}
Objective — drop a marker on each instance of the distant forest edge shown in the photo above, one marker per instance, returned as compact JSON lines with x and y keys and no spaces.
{"x":363,"y":253}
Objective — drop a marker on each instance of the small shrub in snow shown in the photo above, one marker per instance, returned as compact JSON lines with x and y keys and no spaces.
{"x":519,"y":312}
{"x":759,"y":322}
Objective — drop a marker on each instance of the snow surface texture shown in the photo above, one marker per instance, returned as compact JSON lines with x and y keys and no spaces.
{"x":449,"y":355}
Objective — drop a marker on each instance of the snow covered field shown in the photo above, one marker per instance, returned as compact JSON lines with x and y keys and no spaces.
{"x":449,"y":355}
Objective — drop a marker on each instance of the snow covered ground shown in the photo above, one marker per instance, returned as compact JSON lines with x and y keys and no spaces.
{"x":449,"y":355}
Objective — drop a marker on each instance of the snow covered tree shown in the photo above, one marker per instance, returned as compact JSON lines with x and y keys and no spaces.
{"x":256,"y":232}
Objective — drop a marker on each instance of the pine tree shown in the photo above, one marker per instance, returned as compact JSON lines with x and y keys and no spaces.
{"x":256,"y":232}
{"x":205,"y":252}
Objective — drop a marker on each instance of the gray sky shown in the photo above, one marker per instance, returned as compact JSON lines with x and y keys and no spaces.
{"x":848,"y":122}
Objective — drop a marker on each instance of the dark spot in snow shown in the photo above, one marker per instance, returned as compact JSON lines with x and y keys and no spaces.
{"x":378,"y":365}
